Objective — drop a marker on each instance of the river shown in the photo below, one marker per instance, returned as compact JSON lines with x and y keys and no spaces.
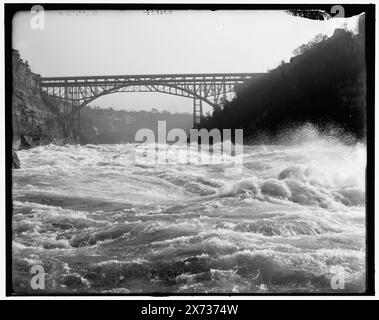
{"x":98,"y":221}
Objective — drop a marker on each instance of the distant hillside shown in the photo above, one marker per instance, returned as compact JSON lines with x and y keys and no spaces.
{"x":116,"y":126}
{"x":323,"y":84}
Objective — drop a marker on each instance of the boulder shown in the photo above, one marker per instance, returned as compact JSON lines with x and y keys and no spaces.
{"x":16,"y":144}
{"x":15,"y":161}
{"x":26,"y":142}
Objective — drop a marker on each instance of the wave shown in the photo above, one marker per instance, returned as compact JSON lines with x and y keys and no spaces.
{"x":102,"y":222}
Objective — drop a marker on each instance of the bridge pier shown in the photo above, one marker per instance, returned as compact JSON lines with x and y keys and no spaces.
{"x":197,"y":112}
{"x":75,"y":121}
{"x":75,"y":112}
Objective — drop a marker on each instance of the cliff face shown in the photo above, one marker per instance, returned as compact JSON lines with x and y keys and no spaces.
{"x":34,"y":122}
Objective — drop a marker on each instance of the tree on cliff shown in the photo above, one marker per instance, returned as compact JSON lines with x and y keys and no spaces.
{"x":324,"y":84}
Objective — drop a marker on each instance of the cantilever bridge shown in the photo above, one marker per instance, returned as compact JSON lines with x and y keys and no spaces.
{"x":77,"y":92}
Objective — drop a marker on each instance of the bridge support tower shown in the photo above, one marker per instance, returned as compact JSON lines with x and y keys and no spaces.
{"x":75,"y":120}
{"x":197,"y":112}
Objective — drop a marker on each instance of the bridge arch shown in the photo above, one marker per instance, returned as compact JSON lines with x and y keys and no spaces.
{"x":188,"y":94}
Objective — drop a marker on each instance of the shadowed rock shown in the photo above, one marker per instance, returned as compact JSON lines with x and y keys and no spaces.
{"x":15,"y":161}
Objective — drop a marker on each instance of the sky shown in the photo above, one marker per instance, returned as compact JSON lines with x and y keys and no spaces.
{"x":90,"y":43}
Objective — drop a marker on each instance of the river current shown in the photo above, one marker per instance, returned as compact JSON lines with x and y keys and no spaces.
{"x":98,"y":221}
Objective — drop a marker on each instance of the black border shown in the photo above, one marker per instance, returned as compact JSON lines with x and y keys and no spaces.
{"x":350,"y":10}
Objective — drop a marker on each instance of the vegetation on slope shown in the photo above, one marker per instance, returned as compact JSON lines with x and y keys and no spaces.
{"x":323,"y":84}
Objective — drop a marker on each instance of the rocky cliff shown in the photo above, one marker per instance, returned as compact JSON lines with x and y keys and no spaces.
{"x":33,"y":121}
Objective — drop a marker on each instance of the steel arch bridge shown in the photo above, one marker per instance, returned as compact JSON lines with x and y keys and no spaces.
{"x":77,"y":92}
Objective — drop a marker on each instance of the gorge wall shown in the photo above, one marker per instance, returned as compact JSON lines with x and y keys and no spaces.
{"x":99,"y":125}
{"x":34,"y":122}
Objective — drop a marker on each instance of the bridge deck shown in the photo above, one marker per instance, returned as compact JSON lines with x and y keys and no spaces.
{"x":150,"y":78}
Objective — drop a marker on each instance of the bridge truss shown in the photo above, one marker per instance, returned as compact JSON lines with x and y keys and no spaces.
{"x":77,"y":92}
